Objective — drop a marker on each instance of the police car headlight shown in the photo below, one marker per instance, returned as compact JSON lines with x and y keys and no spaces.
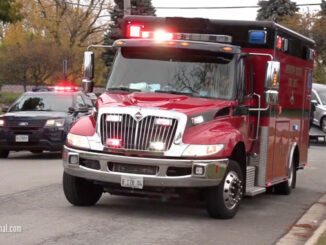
{"x":78,"y":140}
{"x":202,"y":150}
{"x":55,"y":122}
{"x":2,"y":122}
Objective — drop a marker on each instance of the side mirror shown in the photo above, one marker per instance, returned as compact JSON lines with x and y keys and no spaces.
{"x":5,"y":108}
{"x":271,"y":97}
{"x":88,"y":77}
{"x":82,"y":109}
{"x":71,"y":110}
{"x":272,"y":77}
{"x":314,"y":102}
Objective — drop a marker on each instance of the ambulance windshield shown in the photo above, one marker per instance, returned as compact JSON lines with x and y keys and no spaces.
{"x":194,"y":73}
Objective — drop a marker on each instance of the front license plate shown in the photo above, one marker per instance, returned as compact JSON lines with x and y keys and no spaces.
{"x":132,"y":182}
{"x":22,"y":138}
{"x":321,"y":139}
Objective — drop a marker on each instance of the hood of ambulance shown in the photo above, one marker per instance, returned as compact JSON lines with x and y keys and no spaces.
{"x":180,"y":103}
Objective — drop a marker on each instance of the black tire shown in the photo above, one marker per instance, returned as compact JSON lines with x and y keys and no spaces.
{"x":81,"y":192}
{"x":286,"y":187}
{"x":216,"y":202}
{"x":323,"y":124}
{"x":37,"y":152}
{"x":4,"y":153}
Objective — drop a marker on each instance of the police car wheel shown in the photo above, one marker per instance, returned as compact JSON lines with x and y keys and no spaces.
{"x":4,"y":153}
{"x":223,"y":201}
{"x":81,"y":192}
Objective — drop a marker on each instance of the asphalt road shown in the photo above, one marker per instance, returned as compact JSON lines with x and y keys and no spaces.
{"x":31,"y":196}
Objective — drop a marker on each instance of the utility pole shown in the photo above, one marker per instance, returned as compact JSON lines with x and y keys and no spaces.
{"x":65,"y":69}
{"x":126,"y":7}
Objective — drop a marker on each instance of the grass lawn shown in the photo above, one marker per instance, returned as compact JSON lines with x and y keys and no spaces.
{"x":322,"y":239}
{"x":7,"y":98}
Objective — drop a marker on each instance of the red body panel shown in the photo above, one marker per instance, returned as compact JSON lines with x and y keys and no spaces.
{"x":84,"y":126}
{"x":185,"y":104}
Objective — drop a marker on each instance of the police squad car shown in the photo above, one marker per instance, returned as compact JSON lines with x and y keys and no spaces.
{"x":40,"y":120}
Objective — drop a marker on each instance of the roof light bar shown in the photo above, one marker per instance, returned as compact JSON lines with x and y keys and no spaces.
{"x":204,"y":37}
{"x":162,"y":35}
{"x":137,"y":31}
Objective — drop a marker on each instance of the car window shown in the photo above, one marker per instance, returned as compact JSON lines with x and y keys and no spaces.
{"x":88,"y":101}
{"x":79,"y":101}
{"x":43,"y":102}
{"x":322,"y":96}
{"x":314,"y":96}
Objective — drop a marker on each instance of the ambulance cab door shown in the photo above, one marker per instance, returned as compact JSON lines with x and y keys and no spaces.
{"x":249,"y":123}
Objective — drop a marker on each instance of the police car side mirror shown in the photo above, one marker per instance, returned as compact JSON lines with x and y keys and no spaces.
{"x":271,"y":97}
{"x":314,"y":102}
{"x":71,"y":110}
{"x":272,"y":75}
{"x":88,"y":76}
{"x":82,"y":109}
{"x":5,"y":108}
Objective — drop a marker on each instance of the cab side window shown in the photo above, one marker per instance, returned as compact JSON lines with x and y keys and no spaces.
{"x":79,"y":101}
{"x":88,"y":102}
{"x":314,"y":96}
{"x":248,"y":76}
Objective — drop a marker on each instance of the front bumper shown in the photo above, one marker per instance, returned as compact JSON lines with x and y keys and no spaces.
{"x":39,"y":138}
{"x":214,"y":170}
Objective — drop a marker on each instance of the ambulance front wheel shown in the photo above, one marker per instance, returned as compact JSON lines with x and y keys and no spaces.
{"x":223,"y":201}
{"x":79,"y":191}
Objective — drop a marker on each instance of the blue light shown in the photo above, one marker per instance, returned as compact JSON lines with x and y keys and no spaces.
{"x":257,"y":37}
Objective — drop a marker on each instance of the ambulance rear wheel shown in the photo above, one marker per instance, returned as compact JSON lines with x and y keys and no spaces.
{"x":285,"y":187}
{"x":81,"y":192}
{"x":223,"y":201}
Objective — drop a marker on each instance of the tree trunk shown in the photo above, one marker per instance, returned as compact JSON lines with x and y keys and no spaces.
{"x":24,"y":83}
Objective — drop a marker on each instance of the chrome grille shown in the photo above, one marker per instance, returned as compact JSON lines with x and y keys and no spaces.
{"x":137,"y":135}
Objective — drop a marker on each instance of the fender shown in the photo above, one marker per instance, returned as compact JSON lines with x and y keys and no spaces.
{"x":84,"y":126}
{"x":215,"y":132}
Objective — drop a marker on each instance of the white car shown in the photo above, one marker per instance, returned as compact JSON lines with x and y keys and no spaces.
{"x":318,"y":97}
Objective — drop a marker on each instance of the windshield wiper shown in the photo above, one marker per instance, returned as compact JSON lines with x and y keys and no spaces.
{"x":173,"y":92}
{"x":123,"y":89}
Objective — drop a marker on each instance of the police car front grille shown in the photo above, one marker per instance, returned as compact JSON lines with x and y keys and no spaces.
{"x":137,"y":135}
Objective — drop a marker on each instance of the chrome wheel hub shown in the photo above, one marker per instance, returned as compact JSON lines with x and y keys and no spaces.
{"x":232,"y":191}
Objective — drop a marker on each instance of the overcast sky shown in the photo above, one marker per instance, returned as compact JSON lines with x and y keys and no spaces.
{"x":235,"y":14}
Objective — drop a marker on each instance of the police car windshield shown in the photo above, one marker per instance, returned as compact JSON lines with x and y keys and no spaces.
{"x":43,"y":102}
{"x":195,"y":73}
{"x":322,"y":96}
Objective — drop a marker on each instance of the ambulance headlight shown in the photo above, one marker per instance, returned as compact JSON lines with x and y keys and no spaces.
{"x":202,"y":150}
{"x":78,"y":141}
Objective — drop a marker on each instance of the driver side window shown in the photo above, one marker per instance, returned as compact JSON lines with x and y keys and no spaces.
{"x":79,"y":101}
{"x":314,"y":96}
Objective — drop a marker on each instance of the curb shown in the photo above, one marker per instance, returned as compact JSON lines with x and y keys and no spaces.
{"x":314,"y":238}
{"x":308,"y":226}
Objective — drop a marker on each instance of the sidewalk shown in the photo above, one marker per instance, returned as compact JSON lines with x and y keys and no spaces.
{"x":309,"y":227}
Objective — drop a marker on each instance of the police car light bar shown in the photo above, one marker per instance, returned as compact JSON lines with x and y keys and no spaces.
{"x":136,"y":31}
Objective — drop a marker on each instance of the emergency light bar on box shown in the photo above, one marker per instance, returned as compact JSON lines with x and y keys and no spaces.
{"x":136,"y":31}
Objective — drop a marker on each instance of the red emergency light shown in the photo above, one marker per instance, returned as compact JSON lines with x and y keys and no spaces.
{"x":64,"y":89}
{"x":114,"y":143}
{"x":137,"y":31}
